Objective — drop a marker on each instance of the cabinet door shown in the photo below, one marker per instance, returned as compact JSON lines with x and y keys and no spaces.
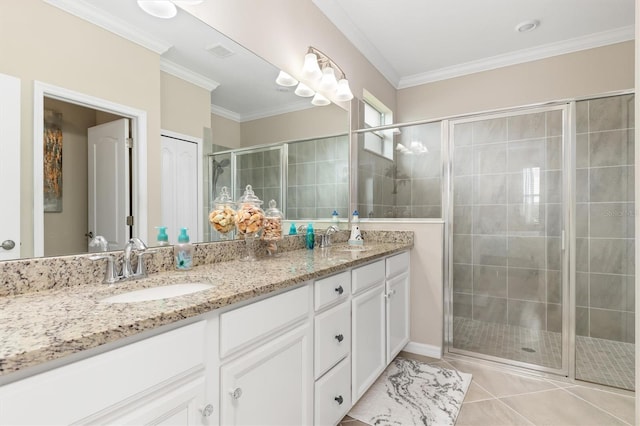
{"x":181,"y":405}
{"x":397,"y":315}
{"x":271,"y":385}
{"x":368,"y":339}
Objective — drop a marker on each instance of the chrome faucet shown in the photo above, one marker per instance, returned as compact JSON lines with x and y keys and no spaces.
{"x":325,"y":239}
{"x":112,"y":275}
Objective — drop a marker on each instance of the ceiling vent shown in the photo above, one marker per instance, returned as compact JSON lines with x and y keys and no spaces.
{"x":219,"y":51}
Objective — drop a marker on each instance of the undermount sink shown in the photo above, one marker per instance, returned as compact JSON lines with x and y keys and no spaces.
{"x":157,"y":293}
{"x":353,"y":248}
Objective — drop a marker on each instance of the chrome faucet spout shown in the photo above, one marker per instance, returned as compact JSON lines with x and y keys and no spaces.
{"x":133,"y":243}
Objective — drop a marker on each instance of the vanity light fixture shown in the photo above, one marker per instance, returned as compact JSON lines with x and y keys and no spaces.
{"x":320,"y":100}
{"x":165,"y":9}
{"x":304,"y":91}
{"x":321,"y":73}
{"x":286,"y":80}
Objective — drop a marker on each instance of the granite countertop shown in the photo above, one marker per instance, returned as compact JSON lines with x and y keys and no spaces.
{"x":44,"y":326}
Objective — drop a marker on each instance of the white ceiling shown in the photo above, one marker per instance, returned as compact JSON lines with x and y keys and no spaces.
{"x":413,"y":42}
{"x":410,"y":42}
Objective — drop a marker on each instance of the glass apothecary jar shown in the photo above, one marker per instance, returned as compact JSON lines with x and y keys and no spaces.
{"x":272,"y":232}
{"x":249,"y":220}
{"x":223,"y":215}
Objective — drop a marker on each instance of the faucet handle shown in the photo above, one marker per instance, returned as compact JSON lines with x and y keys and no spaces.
{"x":110,"y":273}
{"x":141,"y":269}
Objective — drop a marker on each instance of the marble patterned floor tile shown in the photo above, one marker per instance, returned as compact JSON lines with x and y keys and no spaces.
{"x":559,"y":407}
{"x":421,"y":358}
{"x":489,"y":412}
{"x":621,"y":406}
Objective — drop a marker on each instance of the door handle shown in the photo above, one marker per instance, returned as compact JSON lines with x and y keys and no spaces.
{"x":8,"y":244}
{"x":339,"y":338}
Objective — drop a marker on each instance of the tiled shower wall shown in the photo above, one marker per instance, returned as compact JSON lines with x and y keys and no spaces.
{"x":410,"y":186}
{"x":318,"y":178}
{"x":508,"y":220}
{"x":605,"y":213}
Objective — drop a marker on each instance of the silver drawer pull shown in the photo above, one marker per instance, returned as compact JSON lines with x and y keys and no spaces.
{"x":339,"y":399}
{"x":207,"y":411}
{"x":339,"y":289}
{"x":339,"y":338}
{"x":236,"y":393}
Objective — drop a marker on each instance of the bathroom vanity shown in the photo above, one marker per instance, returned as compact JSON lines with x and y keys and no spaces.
{"x":291,"y":340}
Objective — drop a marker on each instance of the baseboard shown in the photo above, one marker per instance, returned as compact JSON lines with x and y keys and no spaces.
{"x":424,"y":349}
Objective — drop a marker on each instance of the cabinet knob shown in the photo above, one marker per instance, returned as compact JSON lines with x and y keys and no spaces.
{"x":339,"y":337}
{"x":339,"y":399}
{"x":207,"y":411}
{"x":10,"y":244}
{"x":339,"y":289}
{"x":236,"y":393}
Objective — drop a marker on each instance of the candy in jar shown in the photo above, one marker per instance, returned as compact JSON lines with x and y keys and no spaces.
{"x":272,"y":232}
{"x":249,"y":217}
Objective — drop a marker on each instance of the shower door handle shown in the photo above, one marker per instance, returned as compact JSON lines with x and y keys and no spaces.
{"x":562,"y":241}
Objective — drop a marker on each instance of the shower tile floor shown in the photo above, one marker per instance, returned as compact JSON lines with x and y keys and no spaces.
{"x":601,"y":361}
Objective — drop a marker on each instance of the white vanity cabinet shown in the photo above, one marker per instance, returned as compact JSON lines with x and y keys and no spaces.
{"x":332,"y":346}
{"x":397,"y":303}
{"x":379,"y":318}
{"x":266,"y":377}
{"x":157,"y":380}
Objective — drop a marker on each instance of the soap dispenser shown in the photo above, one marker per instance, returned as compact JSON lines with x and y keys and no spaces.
{"x":183,"y":251}
{"x":162,"y":238}
{"x":310,"y":237}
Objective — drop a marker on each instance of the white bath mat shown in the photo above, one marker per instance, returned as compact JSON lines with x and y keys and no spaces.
{"x":413,"y":393}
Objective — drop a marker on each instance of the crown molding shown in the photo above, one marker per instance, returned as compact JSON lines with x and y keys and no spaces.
{"x":188,"y":75}
{"x":336,"y":14}
{"x":541,"y":52}
{"x":294,"y":107}
{"x":110,"y":23}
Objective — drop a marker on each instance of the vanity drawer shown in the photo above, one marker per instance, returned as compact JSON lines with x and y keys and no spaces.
{"x":329,"y":290}
{"x":332,"y":337}
{"x":397,"y":264}
{"x":367,"y":276}
{"x":333,"y":395}
{"x":245,"y":325}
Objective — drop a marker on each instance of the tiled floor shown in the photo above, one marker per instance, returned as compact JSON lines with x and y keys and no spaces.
{"x":501,"y":397}
{"x":597,"y":360}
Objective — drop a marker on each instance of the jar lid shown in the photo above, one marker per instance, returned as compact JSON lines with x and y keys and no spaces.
{"x":224,"y":197}
{"x":273,"y":211}
{"x":249,"y":196}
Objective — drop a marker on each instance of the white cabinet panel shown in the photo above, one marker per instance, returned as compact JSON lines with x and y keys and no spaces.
{"x":398,"y":264}
{"x":367,"y":276}
{"x":241,"y":327}
{"x":73,"y":392}
{"x":397,"y":315}
{"x":331,"y":289}
{"x":368,"y":339}
{"x":333,"y":395}
{"x":332,"y":337}
{"x":272,"y":384}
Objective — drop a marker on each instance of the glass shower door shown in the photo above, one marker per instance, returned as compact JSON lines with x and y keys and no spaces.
{"x":506,"y":220}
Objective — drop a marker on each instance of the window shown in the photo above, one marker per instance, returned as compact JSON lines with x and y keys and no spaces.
{"x":375,"y":115}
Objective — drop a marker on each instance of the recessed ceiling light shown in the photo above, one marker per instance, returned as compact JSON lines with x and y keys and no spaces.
{"x":526,"y":26}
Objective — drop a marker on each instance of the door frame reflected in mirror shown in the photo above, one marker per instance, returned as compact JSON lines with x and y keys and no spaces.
{"x":138,"y":162}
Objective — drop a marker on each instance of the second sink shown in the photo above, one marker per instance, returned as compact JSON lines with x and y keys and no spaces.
{"x":157,"y":293}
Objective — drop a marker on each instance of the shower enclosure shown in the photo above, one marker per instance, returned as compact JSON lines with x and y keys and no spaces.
{"x":541,"y":239}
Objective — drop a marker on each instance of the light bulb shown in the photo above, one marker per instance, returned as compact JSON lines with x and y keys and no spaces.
{"x":304,"y":91}
{"x":286,"y":80}
{"x":159,"y":8}
{"x":343,"y":93}
{"x":311,"y":69}
{"x":320,"y":100}
{"x":328,"y":83}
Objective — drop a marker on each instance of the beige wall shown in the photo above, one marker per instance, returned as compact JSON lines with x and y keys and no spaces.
{"x":583,"y":73}
{"x":185,"y":106}
{"x":281,"y":31}
{"x":299,"y":125}
{"x":225,"y":132}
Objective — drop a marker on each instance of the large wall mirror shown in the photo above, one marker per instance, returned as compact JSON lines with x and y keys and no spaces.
{"x":187,"y":80}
